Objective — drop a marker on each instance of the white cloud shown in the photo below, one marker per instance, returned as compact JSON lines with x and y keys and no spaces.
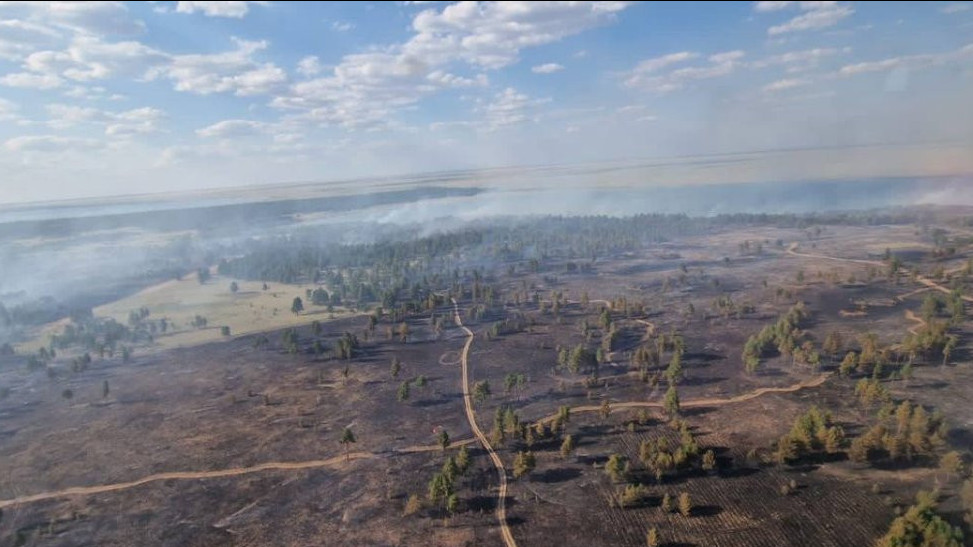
{"x":229,"y":72}
{"x":365,"y":89}
{"x":231,"y":9}
{"x":955,"y":7}
{"x":90,"y":58}
{"x":649,"y":74}
{"x":232,"y":129}
{"x":727,"y":56}
{"x":547,"y":68}
{"x":92,"y":18}
{"x":342,"y":26}
{"x":50,"y":144}
{"x":8,"y":110}
{"x":19,"y":38}
{"x":508,"y":107}
{"x":787,"y":83}
{"x":814,"y":19}
{"x":919,"y":61}
{"x":31,"y":81}
{"x":798,"y":61}
{"x":777,"y":6}
{"x":580,"y":54}
{"x":137,"y":121}
{"x":309,"y":66}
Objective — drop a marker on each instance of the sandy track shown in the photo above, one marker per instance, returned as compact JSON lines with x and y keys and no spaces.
{"x":508,"y":538}
{"x":231,"y":472}
{"x":811,"y":382}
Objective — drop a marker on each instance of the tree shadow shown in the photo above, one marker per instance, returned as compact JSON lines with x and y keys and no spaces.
{"x":706,"y":510}
{"x":560,"y":474}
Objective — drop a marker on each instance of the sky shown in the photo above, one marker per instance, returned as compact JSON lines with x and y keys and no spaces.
{"x":111,"y":98}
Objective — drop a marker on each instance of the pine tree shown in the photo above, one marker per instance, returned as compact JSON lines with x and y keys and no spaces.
{"x":524,"y":463}
{"x":685,"y":504}
{"x":567,"y":446}
{"x":403,"y":394}
{"x":652,"y":538}
{"x":666,"y":504}
{"x":709,"y":460}
{"x":443,"y":439}
{"x":672,"y":401}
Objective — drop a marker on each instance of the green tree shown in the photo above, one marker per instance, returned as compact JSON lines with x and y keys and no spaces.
{"x":671,"y":403}
{"x":297,"y":306}
{"x":234,"y":287}
{"x":848,"y":364}
{"x":421,"y":381}
{"x":463,"y":459}
{"x":481,"y":391}
{"x":666,"y":504}
{"x":524,"y":463}
{"x":413,"y":505}
{"x":347,"y":438}
{"x":396,"y":368}
{"x":685,"y":504}
{"x":606,"y":409}
{"x":921,"y":526}
{"x":443,"y":438}
{"x":403,"y":394}
{"x":567,"y":446}
{"x":616,"y":467}
{"x":674,"y":371}
{"x":652,"y":538}
{"x":709,"y":460}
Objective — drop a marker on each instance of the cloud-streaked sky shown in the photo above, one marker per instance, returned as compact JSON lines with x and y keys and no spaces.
{"x":104,"y":98}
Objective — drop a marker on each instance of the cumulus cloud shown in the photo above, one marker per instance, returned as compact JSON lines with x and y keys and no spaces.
{"x":508,"y":107}
{"x":231,"y":9}
{"x":138,"y":121}
{"x":798,"y":61}
{"x":651,"y":74}
{"x":365,"y":89}
{"x":912,"y":62}
{"x":342,"y":26}
{"x":309,"y":66}
{"x":232,"y":129}
{"x":92,"y":18}
{"x":31,"y":81}
{"x":787,"y":83}
{"x":50,"y":144}
{"x":817,"y":15}
{"x":547,"y":68}
{"x":234,"y":71}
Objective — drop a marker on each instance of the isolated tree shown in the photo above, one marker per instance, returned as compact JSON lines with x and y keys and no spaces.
{"x":403,"y":394}
{"x":404,"y":332}
{"x":666,"y":504}
{"x":951,"y":463}
{"x":685,"y":504}
{"x":234,"y":287}
{"x":567,"y":446}
{"x":413,"y":505}
{"x":948,"y":348}
{"x":606,"y":409}
{"x":481,"y":391}
{"x":443,"y":438}
{"x":347,"y":438}
{"x":297,"y":306}
{"x":652,"y":538}
{"x":224,"y":330}
{"x":709,"y":460}
{"x":524,"y":463}
{"x":671,"y":403}
{"x":396,"y":368}
{"x":105,"y":390}
{"x":616,"y":466}
{"x":421,"y":380}
{"x":463,"y":459}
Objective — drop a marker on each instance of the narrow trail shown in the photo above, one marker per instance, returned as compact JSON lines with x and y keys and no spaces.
{"x":911,"y":316}
{"x":792,"y":250}
{"x":184,"y":475}
{"x":508,"y":538}
{"x":231,"y":472}
{"x":707,"y":401}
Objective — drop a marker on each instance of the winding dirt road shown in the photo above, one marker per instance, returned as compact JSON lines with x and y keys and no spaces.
{"x":792,"y":250}
{"x":231,"y":472}
{"x":508,"y":538}
{"x":811,"y":382}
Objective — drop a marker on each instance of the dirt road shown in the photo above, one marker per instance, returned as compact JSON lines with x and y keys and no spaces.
{"x":812,"y":382}
{"x":508,"y":538}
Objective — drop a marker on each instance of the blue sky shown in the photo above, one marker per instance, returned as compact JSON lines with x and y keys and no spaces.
{"x":105,"y":98}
